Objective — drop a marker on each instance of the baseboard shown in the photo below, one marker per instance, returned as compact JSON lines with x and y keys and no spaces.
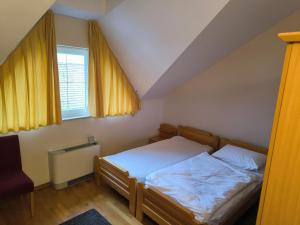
{"x":42,"y":186}
{"x":70,"y":183}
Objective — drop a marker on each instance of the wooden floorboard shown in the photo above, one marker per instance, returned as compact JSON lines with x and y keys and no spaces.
{"x":54,"y":207}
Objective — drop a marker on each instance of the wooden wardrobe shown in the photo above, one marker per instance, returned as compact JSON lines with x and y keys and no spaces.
{"x":280,"y":199}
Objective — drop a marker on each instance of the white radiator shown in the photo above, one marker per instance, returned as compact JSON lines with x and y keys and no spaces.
{"x":71,"y":163}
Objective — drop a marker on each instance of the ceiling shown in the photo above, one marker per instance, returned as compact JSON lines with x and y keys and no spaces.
{"x":87,"y":9}
{"x":148,"y":36}
{"x":237,"y":23}
{"x":17,"y":17}
{"x":160,"y":44}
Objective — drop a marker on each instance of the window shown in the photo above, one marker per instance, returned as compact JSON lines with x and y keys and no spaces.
{"x":73,"y":81}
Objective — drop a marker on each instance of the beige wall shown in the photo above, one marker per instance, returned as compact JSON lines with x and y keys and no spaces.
{"x":114,"y":134}
{"x":236,"y":97}
{"x":71,"y":31}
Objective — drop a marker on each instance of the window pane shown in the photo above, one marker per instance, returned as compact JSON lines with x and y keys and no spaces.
{"x":72,"y":66}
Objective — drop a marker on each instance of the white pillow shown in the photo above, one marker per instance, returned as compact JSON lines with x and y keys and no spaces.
{"x":241,"y":157}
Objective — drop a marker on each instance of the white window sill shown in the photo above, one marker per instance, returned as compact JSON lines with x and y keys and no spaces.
{"x":75,"y":118}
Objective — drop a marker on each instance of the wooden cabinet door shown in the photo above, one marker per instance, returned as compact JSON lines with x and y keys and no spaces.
{"x":280,"y":200}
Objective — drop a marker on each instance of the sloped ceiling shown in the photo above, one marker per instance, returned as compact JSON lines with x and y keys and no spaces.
{"x":148,"y":36}
{"x":17,"y":17}
{"x":237,"y":23}
{"x":160,"y":44}
{"x":87,"y":9}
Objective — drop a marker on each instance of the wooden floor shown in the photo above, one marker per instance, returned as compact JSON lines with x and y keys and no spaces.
{"x":54,"y":207}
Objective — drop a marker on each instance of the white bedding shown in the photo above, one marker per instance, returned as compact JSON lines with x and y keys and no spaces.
{"x":140,"y":162}
{"x":204,"y":185}
{"x":234,"y":203}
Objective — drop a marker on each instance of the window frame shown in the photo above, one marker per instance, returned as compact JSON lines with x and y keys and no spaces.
{"x":77,"y":113}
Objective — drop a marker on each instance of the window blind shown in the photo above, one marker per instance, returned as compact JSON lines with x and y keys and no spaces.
{"x":73,"y":80}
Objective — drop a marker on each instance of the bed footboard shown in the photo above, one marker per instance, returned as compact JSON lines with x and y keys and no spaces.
{"x":165,"y":211}
{"x":162,"y":209}
{"x":117,"y":178}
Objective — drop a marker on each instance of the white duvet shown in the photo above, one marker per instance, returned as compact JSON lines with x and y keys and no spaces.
{"x":142,"y":161}
{"x":202,"y":184}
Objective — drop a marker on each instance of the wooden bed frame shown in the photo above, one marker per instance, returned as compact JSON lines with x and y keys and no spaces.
{"x":166,"y":211}
{"x":167,"y":130}
{"x":119,"y":179}
{"x":200,"y":136}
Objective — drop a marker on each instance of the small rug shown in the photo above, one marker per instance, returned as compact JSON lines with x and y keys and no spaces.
{"x":91,"y":217}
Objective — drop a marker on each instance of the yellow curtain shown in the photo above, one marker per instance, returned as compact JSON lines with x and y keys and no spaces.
{"x":110,"y":92}
{"x":29,"y":88}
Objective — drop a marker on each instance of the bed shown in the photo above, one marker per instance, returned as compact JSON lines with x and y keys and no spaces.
{"x":122,"y":171}
{"x":170,"y":196}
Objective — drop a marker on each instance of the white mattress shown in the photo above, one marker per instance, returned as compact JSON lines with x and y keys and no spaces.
{"x":210,"y":188}
{"x":140,"y":162}
{"x":234,"y":203}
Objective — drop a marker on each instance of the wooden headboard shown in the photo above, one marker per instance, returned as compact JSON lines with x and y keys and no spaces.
{"x":167,"y":130}
{"x":225,"y":141}
{"x":200,"y":136}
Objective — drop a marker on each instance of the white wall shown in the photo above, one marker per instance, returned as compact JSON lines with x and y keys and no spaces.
{"x":236,"y":97}
{"x":71,"y":31}
{"x":114,"y":134}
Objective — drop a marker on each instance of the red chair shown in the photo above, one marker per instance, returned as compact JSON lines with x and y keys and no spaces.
{"x":13,"y":181}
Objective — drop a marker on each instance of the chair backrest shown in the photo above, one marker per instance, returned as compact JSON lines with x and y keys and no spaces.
{"x":10,"y":157}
